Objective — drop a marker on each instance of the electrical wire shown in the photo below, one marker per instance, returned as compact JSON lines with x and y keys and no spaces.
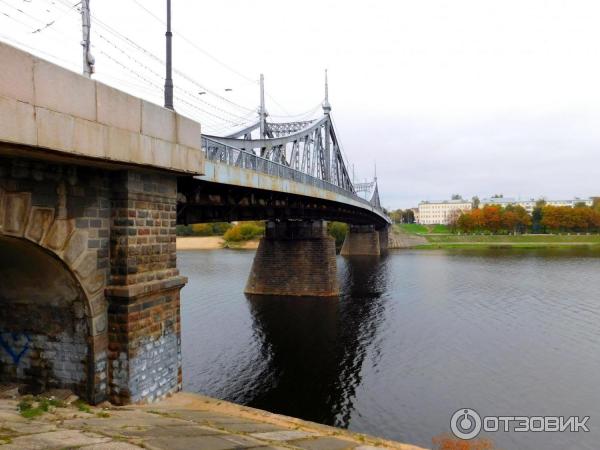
{"x":194,"y":45}
{"x":135,"y":45}
{"x":232,"y":120}
{"x":149,"y":69}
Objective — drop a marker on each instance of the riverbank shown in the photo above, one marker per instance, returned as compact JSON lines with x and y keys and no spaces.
{"x":212,"y":243}
{"x":525,"y":241}
{"x":183,"y":421}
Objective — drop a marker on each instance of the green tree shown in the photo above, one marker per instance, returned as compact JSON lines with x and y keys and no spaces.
{"x":408,"y":216}
{"x":244,"y":231}
{"x":338,"y":231}
{"x":396,"y":215}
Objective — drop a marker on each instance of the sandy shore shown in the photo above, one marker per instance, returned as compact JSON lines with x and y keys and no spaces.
{"x":210,"y":243}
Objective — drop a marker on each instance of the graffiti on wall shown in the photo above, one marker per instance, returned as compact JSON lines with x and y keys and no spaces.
{"x":15,"y":344}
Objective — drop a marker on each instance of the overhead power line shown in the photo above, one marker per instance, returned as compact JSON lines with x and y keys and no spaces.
{"x":194,"y":45}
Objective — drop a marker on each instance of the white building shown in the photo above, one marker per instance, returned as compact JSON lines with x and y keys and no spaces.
{"x":530,"y":204}
{"x":441,"y":211}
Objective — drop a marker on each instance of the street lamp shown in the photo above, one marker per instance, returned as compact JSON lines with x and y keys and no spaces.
{"x":169,"y":78}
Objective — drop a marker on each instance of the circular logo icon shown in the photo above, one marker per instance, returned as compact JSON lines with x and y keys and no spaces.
{"x":465,"y":423}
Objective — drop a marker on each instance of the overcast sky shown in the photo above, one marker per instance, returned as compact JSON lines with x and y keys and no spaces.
{"x":473,"y":97}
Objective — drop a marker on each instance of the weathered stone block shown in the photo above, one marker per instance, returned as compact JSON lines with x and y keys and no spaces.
{"x":179,"y":156}
{"x":158,"y":122}
{"x":59,"y":232}
{"x":86,"y":264}
{"x":90,"y":138}
{"x":16,"y":76}
{"x":195,"y":160}
{"x":98,"y":324}
{"x":188,"y":132}
{"x":94,"y":282}
{"x":54,"y":130}
{"x":16,"y":213}
{"x":162,"y":152}
{"x":39,"y":223}
{"x":97,"y":304}
{"x":118,"y":109}
{"x":76,"y":246}
{"x":17,"y":122}
{"x":124,"y":145}
{"x":70,"y":134}
{"x":61,"y":90}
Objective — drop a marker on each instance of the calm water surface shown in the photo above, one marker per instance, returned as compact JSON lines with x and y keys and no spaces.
{"x":413,"y":337}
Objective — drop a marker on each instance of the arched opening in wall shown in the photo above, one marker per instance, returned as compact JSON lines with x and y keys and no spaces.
{"x":44,"y":336}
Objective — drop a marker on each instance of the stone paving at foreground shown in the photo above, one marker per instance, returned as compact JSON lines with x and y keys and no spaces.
{"x":182,"y":422}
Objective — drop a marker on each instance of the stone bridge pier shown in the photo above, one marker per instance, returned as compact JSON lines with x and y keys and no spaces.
{"x":295,"y":258}
{"x":365,"y":240}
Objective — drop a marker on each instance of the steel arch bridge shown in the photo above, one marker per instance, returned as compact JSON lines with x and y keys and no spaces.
{"x":302,"y":154}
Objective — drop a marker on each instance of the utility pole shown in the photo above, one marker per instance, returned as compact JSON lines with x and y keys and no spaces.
{"x":262,"y":111}
{"x":88,"y":59}
{"x":169,"y":77}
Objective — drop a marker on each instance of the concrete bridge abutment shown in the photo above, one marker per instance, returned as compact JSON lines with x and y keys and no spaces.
{"x":295,"y":258}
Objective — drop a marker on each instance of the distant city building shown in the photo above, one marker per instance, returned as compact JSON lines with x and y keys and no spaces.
{"x":441,"y":212}
{"x":530,"y":204}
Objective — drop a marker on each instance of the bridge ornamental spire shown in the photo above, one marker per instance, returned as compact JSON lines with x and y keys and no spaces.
{"x":262,"y":111}
{"x":326,"y":105}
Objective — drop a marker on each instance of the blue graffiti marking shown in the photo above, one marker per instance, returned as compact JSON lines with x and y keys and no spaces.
{"x":12,"y":348}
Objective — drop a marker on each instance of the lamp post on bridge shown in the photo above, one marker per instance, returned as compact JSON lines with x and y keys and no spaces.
{"x":88,"y":59}
{"x":169,"y":77}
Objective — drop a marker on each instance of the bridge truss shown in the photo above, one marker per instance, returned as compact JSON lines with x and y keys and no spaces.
{"x":311,"y":148}
{"x":308,"y":151}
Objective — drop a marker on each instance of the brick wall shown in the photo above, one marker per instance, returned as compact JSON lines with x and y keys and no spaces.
{"x":144,"y":330}
{"x":145,"y":347}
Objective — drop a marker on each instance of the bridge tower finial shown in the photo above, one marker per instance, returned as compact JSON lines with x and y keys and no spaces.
{"x":262,"y":112}
{"x":326,"y":105}
{"x":375,"y":178}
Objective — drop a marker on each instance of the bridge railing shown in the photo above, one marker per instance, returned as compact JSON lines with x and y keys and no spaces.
{"x":225,"y":154}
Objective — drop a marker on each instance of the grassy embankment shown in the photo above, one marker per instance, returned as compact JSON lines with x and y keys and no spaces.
{"x":440,"y":237}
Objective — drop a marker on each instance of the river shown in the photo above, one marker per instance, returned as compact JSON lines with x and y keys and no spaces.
{"x":413,"y":337}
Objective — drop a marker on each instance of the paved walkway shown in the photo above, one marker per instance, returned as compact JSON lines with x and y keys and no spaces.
{"x":182,"y":422}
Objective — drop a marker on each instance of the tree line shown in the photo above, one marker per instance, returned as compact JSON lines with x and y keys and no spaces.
{"x":515,"y":219}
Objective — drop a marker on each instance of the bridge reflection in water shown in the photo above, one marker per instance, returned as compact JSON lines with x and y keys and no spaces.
{"x":314,"y":348}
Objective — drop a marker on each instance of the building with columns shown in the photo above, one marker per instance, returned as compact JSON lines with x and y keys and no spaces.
{"x":440,"y":212}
